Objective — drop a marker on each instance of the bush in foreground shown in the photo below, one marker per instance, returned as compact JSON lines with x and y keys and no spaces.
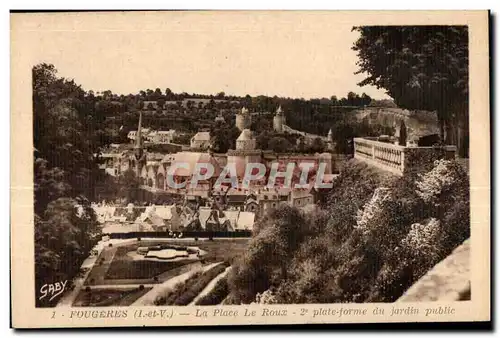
{"x":185,"y":293}
{"x":216,"y":295}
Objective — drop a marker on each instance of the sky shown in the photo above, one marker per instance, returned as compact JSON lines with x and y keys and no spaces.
{"x":288,"y":54}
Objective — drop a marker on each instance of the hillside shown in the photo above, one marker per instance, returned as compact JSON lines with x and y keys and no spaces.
{"x":418,"y":123}
{"x":374,"y":238}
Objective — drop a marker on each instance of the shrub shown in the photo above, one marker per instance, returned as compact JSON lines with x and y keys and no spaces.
{"x":216,"y":295}
{"x":141,"y":287}
{"x":159,"y":301}
{"x":197,"y":285}
{"x":184,"y":293}
{"x":266,"y":297}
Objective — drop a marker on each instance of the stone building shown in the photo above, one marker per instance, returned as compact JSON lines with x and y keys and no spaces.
{"x":201,"y":141}
{"x":278,"y":120}
{"x":243,"y":119}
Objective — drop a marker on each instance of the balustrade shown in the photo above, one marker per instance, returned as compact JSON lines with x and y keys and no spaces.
{"x":386,"y":156}
{"x":395,"y":158}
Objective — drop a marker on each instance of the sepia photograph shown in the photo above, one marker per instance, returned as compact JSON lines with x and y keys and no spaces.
{"x":214,"y":160}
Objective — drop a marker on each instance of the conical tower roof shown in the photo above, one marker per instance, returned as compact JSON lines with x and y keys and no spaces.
{"x":245,"y":135}
{"x":138,"y":139}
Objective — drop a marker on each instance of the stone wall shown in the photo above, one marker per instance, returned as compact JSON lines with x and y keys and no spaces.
{"x":449,"y":280}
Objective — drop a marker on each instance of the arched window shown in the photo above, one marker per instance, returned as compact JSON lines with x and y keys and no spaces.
{"x":160,"y":181}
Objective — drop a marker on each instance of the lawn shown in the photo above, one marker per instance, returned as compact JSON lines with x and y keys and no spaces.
{"x":220,"y":250}
{"x":109,"y":297}
{"x":116,"y":267}
{"x":124,"y":267}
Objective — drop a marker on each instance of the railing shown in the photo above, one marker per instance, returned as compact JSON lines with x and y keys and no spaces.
{"x":386,"y":156}
{"x":395,"y":158}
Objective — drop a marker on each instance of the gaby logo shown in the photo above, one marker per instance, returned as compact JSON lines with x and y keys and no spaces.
{"x":253,"y":172}
{"x":52,"y":290}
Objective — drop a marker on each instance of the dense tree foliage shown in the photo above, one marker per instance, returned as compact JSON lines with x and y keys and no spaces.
{"x":118,"y":114}
{"x":66,"y":136}
{"x":266,"y":258}
{"x":223,"y":137}
{"x":422,"y":68}
{"x":374,"y":238}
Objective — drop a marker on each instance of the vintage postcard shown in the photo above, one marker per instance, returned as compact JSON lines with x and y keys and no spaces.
{"x":196,"y":168}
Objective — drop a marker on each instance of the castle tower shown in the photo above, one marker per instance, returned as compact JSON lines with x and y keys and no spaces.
{"x":243,"y":119}
{"x":278,"y":120}
{"x":244,"y":153}
{"x":329,"y":141}
{"x":140,"y":156}
{"x":245,"y":141}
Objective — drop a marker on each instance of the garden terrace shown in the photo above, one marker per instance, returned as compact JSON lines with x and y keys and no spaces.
{"x":116,"y":266}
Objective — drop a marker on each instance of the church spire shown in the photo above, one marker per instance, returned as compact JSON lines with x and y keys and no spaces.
{"x":138,"y":150}
{"x":138,"y":139}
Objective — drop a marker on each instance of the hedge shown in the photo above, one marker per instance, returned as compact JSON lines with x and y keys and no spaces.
{"x":216,"y":295}
{"x":184,"y":293}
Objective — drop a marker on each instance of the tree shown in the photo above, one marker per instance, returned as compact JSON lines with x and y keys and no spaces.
{"x":160,"y":103}
{"x":262,"y":140}
{"x":223,"y":137}
{"x":63,"y":239}
{"x":264,"y":263}
{"x":182,"y":138}
{"x":128,"y":186}
{"x":67,"y":134}
{"x":365,"y":99}
{"x":169,"y":95}
{"x":317,"y":145}
{"x":422,"y":68}
{"x":402,"y":133}
{"x":279,"y":144}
